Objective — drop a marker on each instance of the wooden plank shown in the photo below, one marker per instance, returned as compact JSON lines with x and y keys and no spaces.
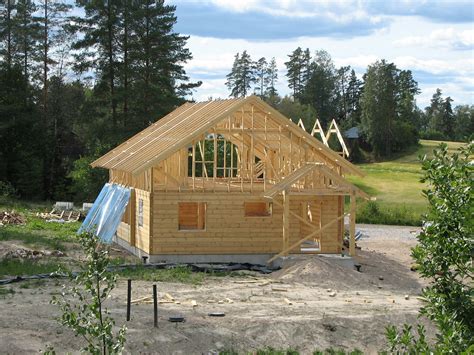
{"x":298,"y":243}
{"x":286,"y":220}
{"x":352,"y":249}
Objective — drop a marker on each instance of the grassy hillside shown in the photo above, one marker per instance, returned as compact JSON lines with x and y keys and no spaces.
{"x":396,"y":183}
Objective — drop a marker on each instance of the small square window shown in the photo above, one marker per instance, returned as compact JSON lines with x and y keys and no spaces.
{"x":258,"y":209}
{"x":192,"y":215}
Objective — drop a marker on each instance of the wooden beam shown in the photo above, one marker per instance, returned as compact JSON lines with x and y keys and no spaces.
{"x":352,"y":225}
{"x":309,"y":236}
{"x":286,"y":220}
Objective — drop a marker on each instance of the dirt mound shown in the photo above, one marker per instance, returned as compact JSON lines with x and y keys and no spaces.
{"x":322,"y":272}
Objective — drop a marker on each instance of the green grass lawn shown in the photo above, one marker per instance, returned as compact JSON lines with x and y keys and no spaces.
{"x":396,"y":183}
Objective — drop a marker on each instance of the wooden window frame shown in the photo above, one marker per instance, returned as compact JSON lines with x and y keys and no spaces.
{"x":201,"y":206}
{"x":268,"y":209}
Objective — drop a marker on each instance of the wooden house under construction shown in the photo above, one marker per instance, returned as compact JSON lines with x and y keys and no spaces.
{"x":230,"y":180}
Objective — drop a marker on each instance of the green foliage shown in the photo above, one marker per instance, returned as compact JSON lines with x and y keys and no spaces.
{"x":444,"y":255}
{"x":182,"y":274}
{"x":272,"y":351}
{"x":405,"y":342}
{"x":331,"y":351}
{"x":242,"y":75}
{"x":445,"y":247}
{"x":7,"y":189}
{"x":83,"y":303}
{"x":86,"y":181}
{"x":18,"y":267}
{"x":6,"y":291}
{"x":38,"y":232}
{"x":374,"y":213}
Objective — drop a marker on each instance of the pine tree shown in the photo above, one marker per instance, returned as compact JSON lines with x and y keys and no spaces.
{"x":157,"y":54}
{"x":406,"y":92}
{"x":342,"y":88}
{"x":7,"y":9}
{"x":261,"y":74}
{"x":242,"y":75}
{"x":299,"y":71}
{"x":26,"y":34}
{"x":320,"y":89}
{"x":448,"y":118}
{"x":272,"y":79}
{"x":354,"y":91}
{"x":434,"y":112}
{"x":379,"y":107}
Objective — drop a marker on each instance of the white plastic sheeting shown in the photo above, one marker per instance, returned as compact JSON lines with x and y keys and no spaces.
{"x":106,"y":213}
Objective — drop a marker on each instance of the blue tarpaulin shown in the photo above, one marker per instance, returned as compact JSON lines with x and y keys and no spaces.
{"x":106,"y":213}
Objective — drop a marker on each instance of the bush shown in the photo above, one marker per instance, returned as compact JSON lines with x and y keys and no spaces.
{"x":374,"y":213}
{"x":444,"y":257}
{"x":7,"y":189}
{"x":431,"y":134}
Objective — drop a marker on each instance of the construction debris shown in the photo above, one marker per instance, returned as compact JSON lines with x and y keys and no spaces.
{"x":60,"y":216}
{"x":11,"y":218}
{"x":21,"y":253}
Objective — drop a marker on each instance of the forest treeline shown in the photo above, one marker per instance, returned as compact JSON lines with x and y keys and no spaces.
{"x":73,"y":87}
{"x":77,"y":80}
{"x":382,"y":105}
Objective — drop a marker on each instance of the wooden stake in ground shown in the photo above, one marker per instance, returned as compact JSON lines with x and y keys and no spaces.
{"x":129,"y":297}
{"x":155,"y":307}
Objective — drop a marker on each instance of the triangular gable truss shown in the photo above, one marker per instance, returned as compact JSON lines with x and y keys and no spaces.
{"x":333,"y":128}
{"x":190,"y":121}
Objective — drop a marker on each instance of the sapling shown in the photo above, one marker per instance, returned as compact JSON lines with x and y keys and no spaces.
{"x":82,"y":303}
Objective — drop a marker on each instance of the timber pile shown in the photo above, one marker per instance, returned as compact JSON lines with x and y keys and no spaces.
{"x":11,"y":218}
{"x":58,"y":215}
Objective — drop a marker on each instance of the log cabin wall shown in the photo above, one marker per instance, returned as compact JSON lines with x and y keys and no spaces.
{"x":227,"y":229}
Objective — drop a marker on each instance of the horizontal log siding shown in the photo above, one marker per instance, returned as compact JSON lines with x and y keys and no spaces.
{"x":143,"y":233}
{"x":228,"y":231}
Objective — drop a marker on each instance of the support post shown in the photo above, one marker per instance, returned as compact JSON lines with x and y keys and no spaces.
{"x":352,"y":225}
{"x":155,"y":307}
{"x":286,"y":220}
{"x":129,"y":297}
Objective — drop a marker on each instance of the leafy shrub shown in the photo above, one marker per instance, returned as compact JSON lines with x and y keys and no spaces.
{"x":444,"y":256}
{"x":7,"y":189}
{"x":433,"y":135}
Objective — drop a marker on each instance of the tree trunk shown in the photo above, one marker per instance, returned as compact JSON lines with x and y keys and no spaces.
{"x":111,"y":63}
{"x":125,"y":64}
{"x":9,"y":35}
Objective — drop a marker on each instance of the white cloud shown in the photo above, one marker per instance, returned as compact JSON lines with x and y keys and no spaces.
{"x":435,"y":66}
{"x":451,"y":70}
{"x":440,"y":38}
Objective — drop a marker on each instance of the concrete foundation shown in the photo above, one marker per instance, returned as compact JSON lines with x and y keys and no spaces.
{"x":260,"y":259}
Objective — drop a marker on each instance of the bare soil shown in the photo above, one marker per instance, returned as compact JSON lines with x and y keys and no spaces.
{"x":295,"y":307}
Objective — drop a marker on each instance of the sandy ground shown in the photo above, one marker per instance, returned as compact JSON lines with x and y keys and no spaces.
{"x":257,"y":312}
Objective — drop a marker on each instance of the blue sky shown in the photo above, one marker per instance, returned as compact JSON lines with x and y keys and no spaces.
{"x":435,"y":39}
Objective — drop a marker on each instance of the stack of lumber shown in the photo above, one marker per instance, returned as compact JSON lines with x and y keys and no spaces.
{"x":11,"y":218}
{"x":66,"y":216}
